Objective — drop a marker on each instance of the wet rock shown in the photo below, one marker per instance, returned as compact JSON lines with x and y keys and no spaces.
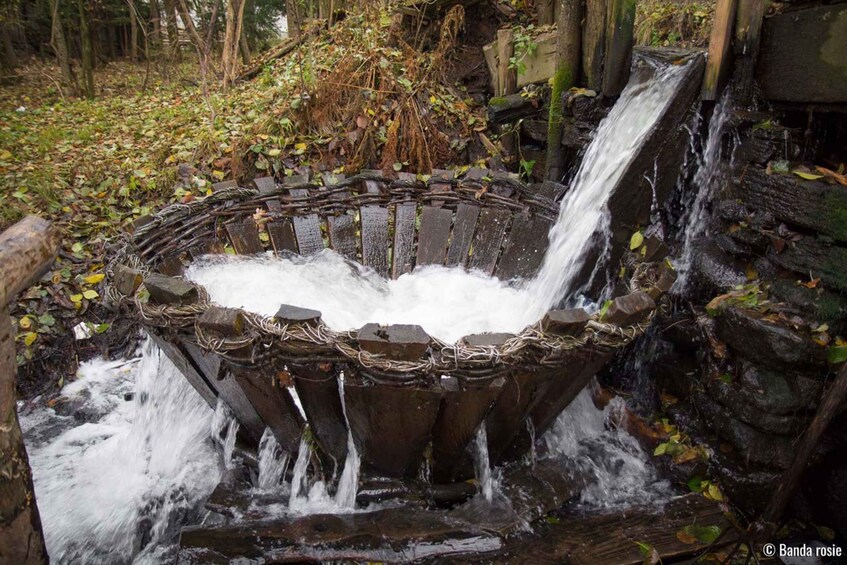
{"x":765,"y":342}
{"x":400,"y":341}
{"x":655,"y":249}
{"x":170,"y":290}
{"x":778,"y":392}
{"x":296,"y":315}
{"x":815,"y":258}
{"x":731,"y":211}
{"x":536,"y":130}
{"x":735,"y":398}
{"x":222,"y":321}
{"x":715,"y":271}
{"x":505,"y":109}
{"x":666,"y":280}
{"x":630,"y":309}
{"x":753,"y":445}
{"x":816,"y":304}
{"x":565,"y":322}
{"x":733,"y":247}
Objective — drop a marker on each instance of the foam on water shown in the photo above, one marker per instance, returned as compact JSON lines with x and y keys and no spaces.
{"x":112,"y":489}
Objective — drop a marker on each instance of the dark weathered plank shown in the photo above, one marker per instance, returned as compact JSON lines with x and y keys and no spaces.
{"x":244,"y":237}
{"x":273,"y":404}
{"x":620,"y":25}
{"x":463,"y":230}
{"x":307,"y":227}
{"x":265,"y":184}
{"x":171,"y":266}
{"x":193,"y":374}
{"x":374,"y":233}
{"x":507,"y":417}
{"x":433,"y":236}
{"x":282,"y":236}
{"x":720,"y":43}
{"x":317,"y":390}
{"x":488,"y":239}
{"x":391,"y":425}
{"x":525,"y":247}
{"x":224,"y":184}
{"x":342,"y":228}
{"x":402,"y":257}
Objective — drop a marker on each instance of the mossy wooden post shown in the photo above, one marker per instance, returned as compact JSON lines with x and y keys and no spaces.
{"x":594,"y":43}
{"x":568,"y":44}
{"x":507,"y":77}
{"x":717,"y":67}
{"x":545,"y":11}
{"x":27,"y":250}
{"x":748,"y":29}
{"x":620,"y":26}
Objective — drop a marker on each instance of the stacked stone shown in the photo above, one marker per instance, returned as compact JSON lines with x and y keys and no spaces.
{"x":750,"y":373}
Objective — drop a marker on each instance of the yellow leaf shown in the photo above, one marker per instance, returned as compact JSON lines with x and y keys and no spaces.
{"x":5,"y":155}
{"x":807,"y":176}
{"x":94,"y":279}
{"x":300,"y":147}
{"x":76,"y":298}
{"x":636,"y":241}
{"x":274,"y":152}
{"x":30,"y":338}
{"x":90,"y":294}
{"x":714,"y":493}
{"x":25,"y":323}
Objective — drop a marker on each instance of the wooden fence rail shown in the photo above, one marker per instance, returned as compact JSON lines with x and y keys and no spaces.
{"x":27,"y":250}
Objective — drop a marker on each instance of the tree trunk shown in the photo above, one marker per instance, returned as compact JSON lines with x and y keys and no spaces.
{"x":245,"y":50}
{"x":232,"y":38}
{"x":60,"y":47}
{"x":9,"y":59}
{"x":87,"y":50}
{"x":133,"y":37}
{"x":292,"y":14}
{"x":545,"y":11}
{"x":155,"y":23}
{"x":171,"y":30}
{"x":568,"y":43}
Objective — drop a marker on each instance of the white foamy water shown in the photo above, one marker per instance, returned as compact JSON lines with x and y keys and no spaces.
{"x":115,"y":488}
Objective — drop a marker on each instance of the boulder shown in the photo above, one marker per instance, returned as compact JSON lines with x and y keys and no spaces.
{"x":735,"y":398}
{"x":817,"y":258}
{"x":778,"y":392}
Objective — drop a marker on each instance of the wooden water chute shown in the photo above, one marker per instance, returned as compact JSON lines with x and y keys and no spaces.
{"x":402,"y":394}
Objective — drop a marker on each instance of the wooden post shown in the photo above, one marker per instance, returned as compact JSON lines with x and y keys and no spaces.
{"x":620,"y":25}
{"x":545,"y":11}
{"x":566,"y":75}
{"x":27,"y":250}
{"x":507,"y":78}
{"x":748,"y":29}
{"x":717,"y":67}
{"x":594,"y":43}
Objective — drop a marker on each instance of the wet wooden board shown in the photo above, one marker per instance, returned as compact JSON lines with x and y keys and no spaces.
{"x":282,"y":237}
{"x":463,"y":230}
{"x":438,"y":174}
{"x":273,"y":404}
{"x":224,"y":184}
{"x":374,"y":234}
{"x":459,"y":416}
{"x":524,"y":249}
{"x":186,"y":366}
{"x":307,"y":227}
{"x":265,"y":185}
{"x":321,"y":401}
{"x":391,"y":425}
{"x":171,"y":266}
{"x":208,"y":247}
{"x":433,"y":236}
{"x":342,"y":228}
{"x":509,"y":414}
{"x":404,"y":235}
{"x":244,"y":237}
{"x":488,"y":239}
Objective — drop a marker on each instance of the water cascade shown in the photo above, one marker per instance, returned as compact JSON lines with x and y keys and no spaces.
{"x":273,"y":462}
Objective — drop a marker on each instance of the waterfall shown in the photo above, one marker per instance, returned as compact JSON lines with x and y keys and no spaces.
{"x":583,"y":213}
{"x":706,"y":181}
{"x":116,"y":488}
{"x":482,"y":464}
{"x":224,"y":430}
{"x":273,"y":462}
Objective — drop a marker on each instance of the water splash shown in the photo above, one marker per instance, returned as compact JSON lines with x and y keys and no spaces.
{"x":620,"y":470}
{"x":273,"y":462}
{"x":224,"y":430}
{"x":706,"y":181}
{"x":583,"y":213}
{"x":482,"y":465}
{"x":115,"y":488}
{"x":348,"y":485}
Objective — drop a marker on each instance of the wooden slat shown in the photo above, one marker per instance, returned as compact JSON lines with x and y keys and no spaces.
{"x":433,"y":236}
{"x":620,"y":25}
{"x":525,"y":247}
{"x":720,"y":42}
{"x":488,"y":239}
{"x":225,"y":184}
{"x":244,"y":237}
{"x":594,"y":43}
{"x":307,"y":227}
{"x":463,"y":230}
{"x":374,"y":234}
{"x":342,"y":228}
{"x":438,"y":174}
{"x":282,"y":237}
{"x":265,"y":184}
{"x":273,"y":403}
{"x":404,"y":235}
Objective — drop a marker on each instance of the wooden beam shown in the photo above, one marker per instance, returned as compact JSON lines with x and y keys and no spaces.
{"x":566,"y":75}
{"x":507,"y":79}
{"x":27,"y":250}
{"x":594,"y":43}
{"x":620,"y":25}
{"x":717,"y":66}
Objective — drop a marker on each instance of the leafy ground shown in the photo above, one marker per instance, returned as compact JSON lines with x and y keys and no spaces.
{"x":345,"y":97}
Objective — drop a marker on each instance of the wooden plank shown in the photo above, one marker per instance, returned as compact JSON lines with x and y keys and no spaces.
{"x":405,"y":213}
{"x":748,"y":31}
{"x":273,"y":404}
{"x":374,"y":232}
{"x":620,"y":24}
{"x":525,"y":248}
{"x":463,"y":230}
{"x":307,"y":227}
{"x":244,"y":237}
{"x":488,"y":239}
{"x":341,"y":228}
{"x":433,"y":236}
{"x":719,"y":60}
{"x":223,"y":185}
{"x":192,"y":373}
{"x":506,"y":78}
{"x":594,"y":43}
{"x":282,"y":236}
{"x":318,"y":392}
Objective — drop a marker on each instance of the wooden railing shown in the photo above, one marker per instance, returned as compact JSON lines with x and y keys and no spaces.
{"x":27,"y":250}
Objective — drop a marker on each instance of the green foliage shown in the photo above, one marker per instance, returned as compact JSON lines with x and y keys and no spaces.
{"x":525,"y":46}
{"x":662,"y":23}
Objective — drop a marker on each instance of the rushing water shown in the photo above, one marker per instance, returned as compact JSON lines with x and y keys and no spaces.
{"x":116,"y":488}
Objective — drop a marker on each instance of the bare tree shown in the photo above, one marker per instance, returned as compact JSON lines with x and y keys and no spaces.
{"x":60,"y":47}
{"x":87,"y":50}
{"x":232,"y":37}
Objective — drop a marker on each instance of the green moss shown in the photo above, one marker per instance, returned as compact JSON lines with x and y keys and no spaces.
{"x":562,"y":82}
{"x":836,"y":206}
{"x":498,"y":101}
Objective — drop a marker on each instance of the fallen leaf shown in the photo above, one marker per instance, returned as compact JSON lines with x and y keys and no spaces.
{"x":807,"y":176}
{"x":90,"y":294}
{"x":94,"y":279}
